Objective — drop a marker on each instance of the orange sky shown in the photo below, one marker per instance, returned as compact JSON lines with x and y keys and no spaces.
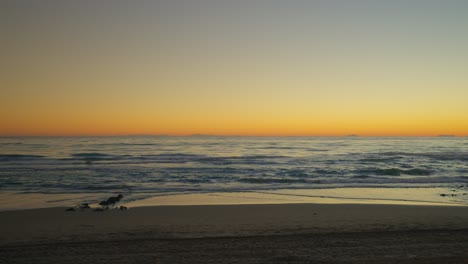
{"x":247,"y":68}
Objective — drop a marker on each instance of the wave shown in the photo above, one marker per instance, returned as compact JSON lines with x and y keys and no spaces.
{"x":123,"y":144}
{"x":106,"y":187}
{"x":130,"y":158}
{"x":298,"y":173}
{"x":13,"y":157}
{"x":317,"y":150}
{"x":222,"y":184}
{"x":360,"y":177}
{"x":290,"y":148}
{"x":396,"y":172}
{"x":248,"y":160}
{"x":169,"y":158}
{"x":90,"y":155}
{"x":445,"y":156}
{"x":390,"y":159}
{"x":273,"y":146}
{"x":271,"y":180}
{"x":176,"y":158}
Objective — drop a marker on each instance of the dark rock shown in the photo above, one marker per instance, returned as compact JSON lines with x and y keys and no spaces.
{"x":111,"y":201}
{"x":123,"y":207}
{"x":85,"y":206}
{"x":116,"y":199}
{"x":443,"y":194}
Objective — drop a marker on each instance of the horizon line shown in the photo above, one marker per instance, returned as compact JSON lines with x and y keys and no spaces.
{"x":223,"y":135}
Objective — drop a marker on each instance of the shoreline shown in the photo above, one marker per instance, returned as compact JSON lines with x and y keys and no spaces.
{"x":443,"y":196}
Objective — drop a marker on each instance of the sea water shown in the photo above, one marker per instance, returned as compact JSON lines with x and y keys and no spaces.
{"x":199,"y":164}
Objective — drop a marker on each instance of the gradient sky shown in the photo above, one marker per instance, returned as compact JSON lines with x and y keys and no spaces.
{"x":244,"y":67}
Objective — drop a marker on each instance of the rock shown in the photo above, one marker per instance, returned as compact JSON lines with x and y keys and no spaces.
{"x":123,"y":207}
{"x":443,"y":194}
{"x":111,"y":201}
{"x":70,"y":209}
{"x":85,"y":206}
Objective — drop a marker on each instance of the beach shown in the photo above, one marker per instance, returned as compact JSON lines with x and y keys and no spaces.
{"x":255,"y":233}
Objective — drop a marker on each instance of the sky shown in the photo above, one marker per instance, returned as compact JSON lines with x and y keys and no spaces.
{"x":245,"y":67}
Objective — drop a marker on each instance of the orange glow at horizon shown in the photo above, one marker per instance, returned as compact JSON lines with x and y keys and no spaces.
{"x":115,"y":127}
{"x":265,"y":68}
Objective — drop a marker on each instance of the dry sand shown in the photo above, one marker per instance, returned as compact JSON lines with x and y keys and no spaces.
{"x":281,"y":233}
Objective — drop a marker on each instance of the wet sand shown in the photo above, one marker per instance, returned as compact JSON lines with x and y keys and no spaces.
{"x":280,"y":233}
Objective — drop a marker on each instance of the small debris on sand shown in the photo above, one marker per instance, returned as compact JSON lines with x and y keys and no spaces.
{"x":85,"y":206}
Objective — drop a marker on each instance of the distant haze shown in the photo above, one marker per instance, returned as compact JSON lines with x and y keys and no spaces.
{"x":256,"y":67}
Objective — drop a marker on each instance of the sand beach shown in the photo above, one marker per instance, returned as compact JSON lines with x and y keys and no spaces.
{"x":256,"y":233}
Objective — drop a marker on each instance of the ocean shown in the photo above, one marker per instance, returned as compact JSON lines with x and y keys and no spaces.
{"x":161,"y":165}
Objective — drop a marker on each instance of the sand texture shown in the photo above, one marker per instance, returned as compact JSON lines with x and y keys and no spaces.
{"x":286,"y":233}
